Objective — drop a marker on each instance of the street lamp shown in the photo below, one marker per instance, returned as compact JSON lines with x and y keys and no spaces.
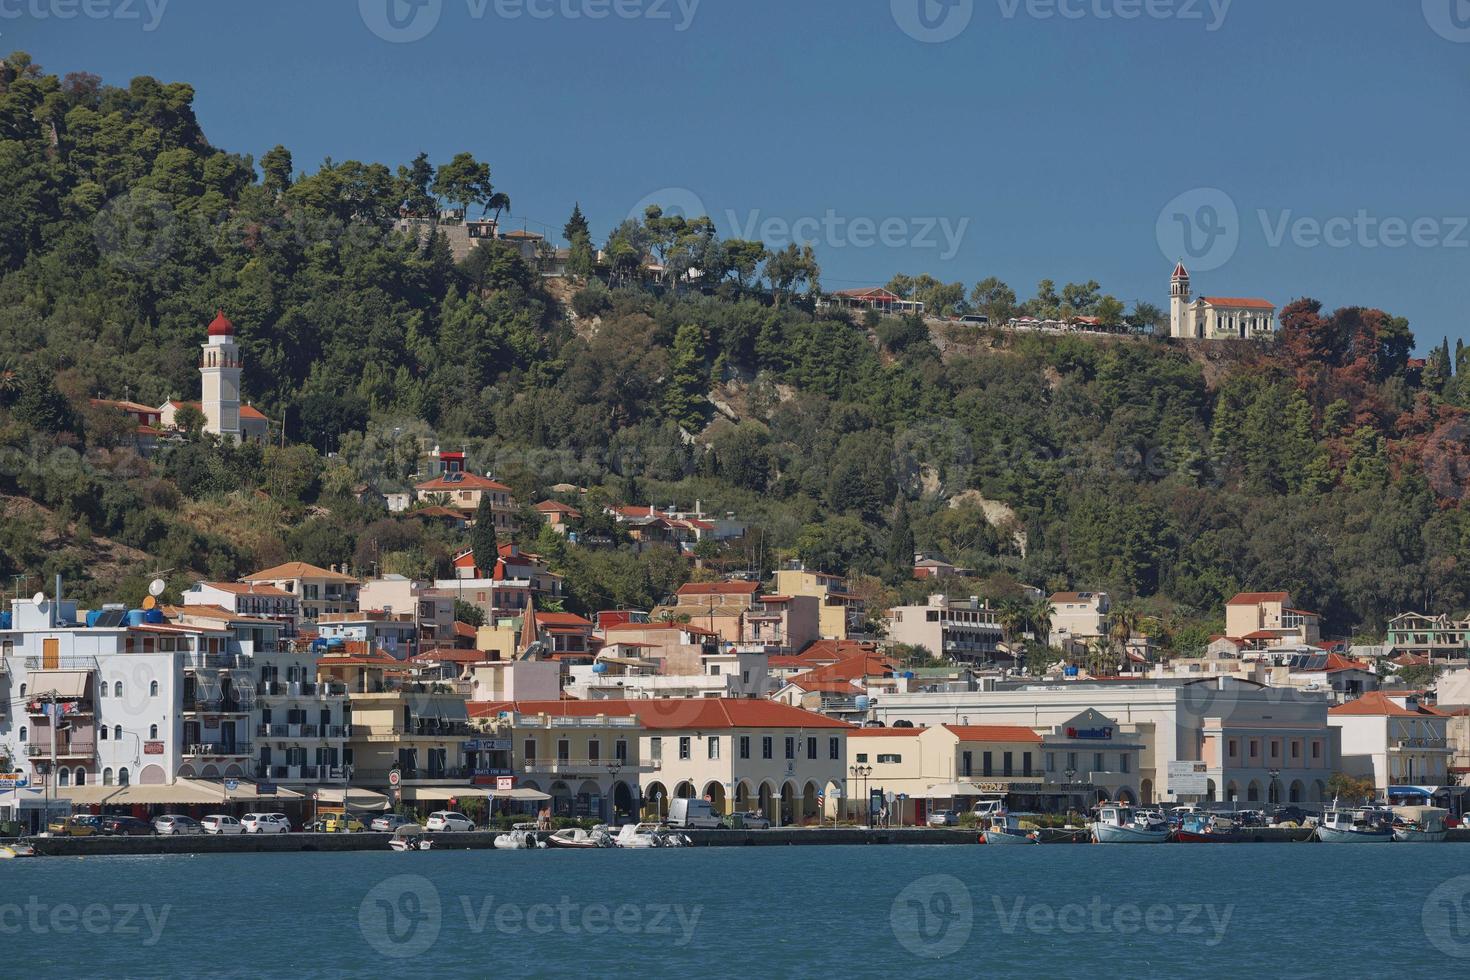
{"x":613,"y":768}
{"x":863,"y":772}
{"x":1070,"y":774}
{"x":1275,"y":775}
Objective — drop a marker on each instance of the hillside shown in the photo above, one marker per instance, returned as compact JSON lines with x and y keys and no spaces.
{"x":1170,"y":474}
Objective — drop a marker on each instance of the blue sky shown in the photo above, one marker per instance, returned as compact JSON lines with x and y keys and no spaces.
{"x":1307,"y":147}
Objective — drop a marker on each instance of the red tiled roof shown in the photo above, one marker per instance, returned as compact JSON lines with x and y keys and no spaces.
{"x":466,"y":481}
{"x":675,"y":714}
{"x":1256,"y":598}
{"x":295,"y":570}
{"x":562,"y":619}
{"x":1376,"y":703}
{"x":994,"y":733}
{"x":1233,"y":302}
{"x":250,"y":588}
{"x":464,"y":629}
{"x":719,"y":588}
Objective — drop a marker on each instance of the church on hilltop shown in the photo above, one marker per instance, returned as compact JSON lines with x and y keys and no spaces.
{"x":1217,"y":317}
{"x":220,"y":366}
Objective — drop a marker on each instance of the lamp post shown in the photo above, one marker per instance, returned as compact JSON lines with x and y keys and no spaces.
{"x":613,"y":768}
{"x":1070,"y":774}
{"x":863,"y":772}
{"x":1273,"y":795}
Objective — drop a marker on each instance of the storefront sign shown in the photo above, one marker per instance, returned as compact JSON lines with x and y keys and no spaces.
{"x":1104,"y":733}
{"x":153,"y":748}
{"x":505,"y":782}
{"x":14,"y":780}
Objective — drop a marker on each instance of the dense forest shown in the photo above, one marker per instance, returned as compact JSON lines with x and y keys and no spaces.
{"x":1173,"y":475}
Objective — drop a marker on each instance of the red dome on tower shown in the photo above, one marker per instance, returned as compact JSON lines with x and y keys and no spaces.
{"x":221,"y":326}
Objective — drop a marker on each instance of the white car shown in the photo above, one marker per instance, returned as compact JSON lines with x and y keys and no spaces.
{"x":441,"y":821}
{"x":173,"y":823}
{"x":265,"y":823}
{"x":219,"y":823}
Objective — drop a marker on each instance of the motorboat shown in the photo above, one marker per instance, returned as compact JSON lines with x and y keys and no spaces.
{"x":1207,"y":828}
{"x":1419,"y":824}
{"x":522,"y":837}
{"x":1006,"y":829}
{"x":1361,"y":826}
{"x":16,"y":849}
{"x":1120,"y":825}
{"x":410,"y":837}
{"x":575,"y":838}
{"x":641,"y":835}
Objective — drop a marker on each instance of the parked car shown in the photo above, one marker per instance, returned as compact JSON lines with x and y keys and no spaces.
{"x":177,"y":824}
{"x":315,"y":827}
{"x":446,"y":820}
{"x":693,"y":814}
{"x":985,"y":809}
{"x":116,"y":826}
{"x":749,"y":820}
{"x":390,"y":822}
{"x":221,"y":823}
{"x":342,"y":823}
{"x":265,"y":823}
{"x":77,"y":825}
{"x":944,"y":818}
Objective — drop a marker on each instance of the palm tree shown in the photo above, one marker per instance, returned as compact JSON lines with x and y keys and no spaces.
{"x":1010,"y":616}
{"x":1100,"y":661}
{"x":1040,"y":615}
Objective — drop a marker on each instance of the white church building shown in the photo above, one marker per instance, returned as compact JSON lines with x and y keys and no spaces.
{"x":1217,"y":317}
{"x":219,"y":369}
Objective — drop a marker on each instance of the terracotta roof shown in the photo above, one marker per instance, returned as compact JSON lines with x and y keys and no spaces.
{"x":557,"y":507}
{"x":250,"y":588}
{"x":246,"y":411}
{"x":135,"y":408}
{"x":295,"y":570}
{"x":847,"y":669}
{"x":1233,"y":302}
{"x":686,"y":627}
{"x":562,"y":619}
{"x":221,"y":326}
{"x":676,"y":714}
{"x":719,"y":588}
{"x":993,"y":733}
{"x":464,"y":629}
{"x":1256,"y":598}
{"x":1180,"y":272}
{"x":1376,"y":703}
{"x":465,"y":481}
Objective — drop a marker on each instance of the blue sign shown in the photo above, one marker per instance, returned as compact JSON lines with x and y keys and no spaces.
{"x":231,"y":785}
{"x":266,"y":789}
{"x":1091,"y":733}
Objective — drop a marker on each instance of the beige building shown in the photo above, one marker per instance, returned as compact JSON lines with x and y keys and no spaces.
{"x":317,"y":590}
{"x":842,"y":612}
{"x":781,"y":623}
{"x":460,"y":491}
{"x":1394,"y":741}
{"x":957,"y":630}
{"x":1217,"y":317}
{"x":1266,"y":619}
{"x":715,"y":606}
{"x":1078,"y":618}
{"x":432,"y":608}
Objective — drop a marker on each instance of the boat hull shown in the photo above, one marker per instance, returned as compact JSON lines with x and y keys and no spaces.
{"x":1004,"y":838}
{"x":1330,"y":835}
{"x":1112,"y":834}
{"x":1191,"y":837}
{"x":1404,"y":836}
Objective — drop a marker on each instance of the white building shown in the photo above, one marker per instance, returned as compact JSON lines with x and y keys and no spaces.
{"x":1078,"y":618}
{"x":1394,"y":741}
{"x":1217,"y":317}
{"x":958,"y":630}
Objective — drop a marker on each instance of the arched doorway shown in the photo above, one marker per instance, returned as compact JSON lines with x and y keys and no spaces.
{"x":623,"y":803}
{"x":152,"y":775}
{"x":561,"y":799}
{"x":1319,"y":791}
{"x":790,"y":803}
{"x":809,"y":810}
{"x":1210,"y":796}
{"x":1253,"y":792}
{"x":1232,"y":793}
{"x":742,"y":797}
{"x":715,"y":793}
{"x":589,"y":800}
{"x":655,"y":801}
{"x":1125,"y":796}
{"x":685,"y":790}
{"x":766,"y":802}
{"x":1294,"y":795}
{"x":1146,"y":791}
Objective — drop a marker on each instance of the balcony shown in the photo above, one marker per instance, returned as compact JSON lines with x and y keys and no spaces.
{"x":303,"y":731}
{"x":292,"y":774}
{"x":64,"y":750}
{"x":42,"y":709}
{"x":216,"y":750}
{"x":394,"y":733}
{"x":218,"y":706}
{"x":1420,"y":745}
{"x":565,"y":767}
{"x":211,"y":661}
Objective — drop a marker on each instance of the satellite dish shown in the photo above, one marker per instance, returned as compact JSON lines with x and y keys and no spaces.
{"x":40,"y":600}
{"x":156,"y":587}
{"x":149,"y":602}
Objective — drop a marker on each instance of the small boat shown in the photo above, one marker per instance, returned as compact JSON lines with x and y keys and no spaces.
{"x":576,"y":838}
{"x":522,"y":837}
{"x":16,"y":849}
{"x":1361,"y":826}
{"x":1208,"y":828}
{"x":1419,"y":824}
{"x":1006,"y":829}
{"x":410,"y":837}
{"x":641,"y":835}
{"x":1119,"y":825}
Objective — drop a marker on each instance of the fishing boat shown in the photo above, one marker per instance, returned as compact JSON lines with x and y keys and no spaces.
{"x":522,"y":837}
{"x":1207,"y":828}
{"x":1361,"y":826}
{"x":1419,"y":824}
{"x":1119,"y":825}
{"x":575,"y":838}
{"x":16,"y":849}
{"x":1006,"y":829}
{"x":410,"y":837}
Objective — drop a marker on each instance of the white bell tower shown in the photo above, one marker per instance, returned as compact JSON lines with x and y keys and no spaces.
{"x":1179,"y":325}
{"x":219,"y":368}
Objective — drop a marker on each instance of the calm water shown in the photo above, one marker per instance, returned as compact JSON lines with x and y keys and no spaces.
{"x":1175,"y":910}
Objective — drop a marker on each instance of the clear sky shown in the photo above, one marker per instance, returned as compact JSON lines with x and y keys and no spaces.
{"x":1282,"y":148}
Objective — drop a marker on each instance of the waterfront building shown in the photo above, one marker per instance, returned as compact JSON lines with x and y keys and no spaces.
{"x":1393,"y":740}
{"x":948,"y":765}
{"x":954,"y":629}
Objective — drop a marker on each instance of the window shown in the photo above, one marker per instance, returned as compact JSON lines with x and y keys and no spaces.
{"x":1316,"y":750}
{"x":1232,"y":749}
{"x":714,"y":746}
{"x":684,"y":746}
{"x":834,"y":748}
{"x":152,"y":733}
{"x":153,"y":689}
{"x":81,"y":776}
{"x":63,"y":776}
{"x":811,"y":747}
{"x":862,"y":757}
{"x":1072,"y":761}
{"x":767,"y":746}
{"x":967,"y":763}
{"x":890,"y":758}
{"x":1097,"y":762}
{"x":790,"y":747}
{"x":1123,"y":764}
{"x":529,"y":751}
{"x":563,"y":750}
{"x":117,"y":689}
{"x":620,"y":750}
{"x":107,"y":776}
{"x":22,"y":733}
{"x":987,"y":764}
{"x":745,"y":746}
{"x":594,"y":750}
{"x":1296,"y":750}
{"x":122,"y":776}
{"x":656,"y":748}
{"x":1051,"y":762}
{"x":1026,"y":764}
{"x":1007,"y":762}
{"x":117,"y":733}
{"x":1275,"y":749}
{"x":102,"y":732}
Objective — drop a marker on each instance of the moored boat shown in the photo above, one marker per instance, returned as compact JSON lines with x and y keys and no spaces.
{"x":1208,"y":828}
{"x":1362,"y":826}
{"x":17,"y":849}
{"x":639,"y":835}
{"x":1006,"y":829}
{"x":410,"y":837}
{"x":521,"y":837}
{"x":1119,"y":825}
{"x":1419,"y":824}
{"x":575,"y":838}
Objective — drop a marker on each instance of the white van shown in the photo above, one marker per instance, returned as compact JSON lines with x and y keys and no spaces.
{"x":693,"y":814}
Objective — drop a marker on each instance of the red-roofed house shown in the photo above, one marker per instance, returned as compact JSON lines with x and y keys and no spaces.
{"x":249,"y":599}
{"x":462,"y":492}
{"x":1266,"y":619}
{"x":1217,"y":317}
{"x":1393,"y":740}
{"x":716,"y":606}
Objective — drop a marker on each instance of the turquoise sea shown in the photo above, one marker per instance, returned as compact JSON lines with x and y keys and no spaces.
{"x":1306,"y":910}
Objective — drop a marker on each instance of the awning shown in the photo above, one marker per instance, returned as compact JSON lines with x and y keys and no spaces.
{"x":942,"y":791}
{"x":352,"y":799}
{"x":529,"y":795}
{"x":21,"y":798}
{"x":441,"y":794}
{"x":183,"y":792}
{"x":66,"y":683}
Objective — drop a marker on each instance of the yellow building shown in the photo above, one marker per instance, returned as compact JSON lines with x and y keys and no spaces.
{"x":841,"y":615}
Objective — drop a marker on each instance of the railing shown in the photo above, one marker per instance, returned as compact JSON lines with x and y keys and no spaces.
{"x":218,"y":706}
{"x":44,"y":708}
{"x":303,"y":731}
{"x":64,"y":750}
{"x":1420,"y":743}
{"x":561,"y":766}
{"x":210,"y":661}
{"x":289,"y":689}
{"x":291,"y":772}
{"x":69,"y":662}
{"x":217,"y":749}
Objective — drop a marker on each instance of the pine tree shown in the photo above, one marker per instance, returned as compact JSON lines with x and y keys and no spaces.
{"x":684,"y":398}
{"x":901,"y":542}
{"x":576,"y":226}
{"x":482,"y":536}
